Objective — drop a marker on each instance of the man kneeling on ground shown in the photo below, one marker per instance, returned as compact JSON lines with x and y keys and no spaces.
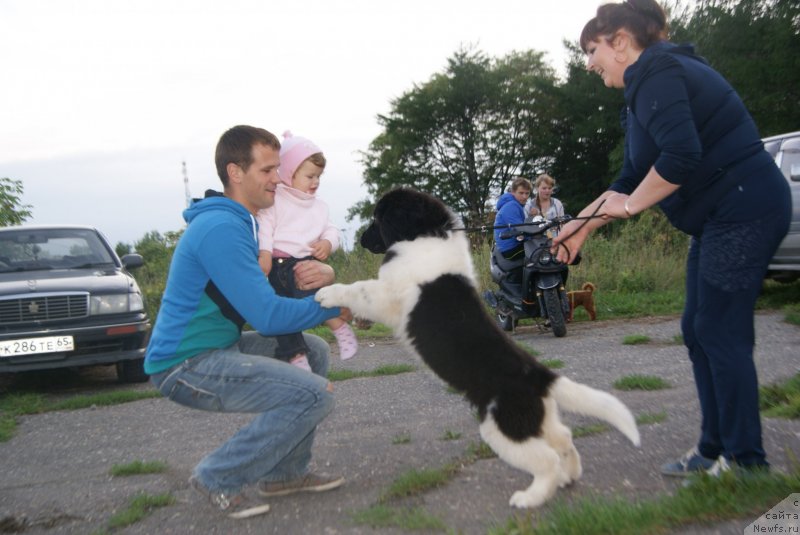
{"x":199,"y":357}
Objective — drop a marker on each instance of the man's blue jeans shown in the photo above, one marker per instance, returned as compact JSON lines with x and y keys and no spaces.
{"x":290,"y":402}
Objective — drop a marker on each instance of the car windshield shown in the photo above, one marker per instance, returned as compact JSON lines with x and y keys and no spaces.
{"x":49,"y":249}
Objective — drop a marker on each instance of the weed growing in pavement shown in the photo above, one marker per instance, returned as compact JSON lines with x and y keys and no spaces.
{"x":405,"y":518}
{"x":136,"y":468}
{"x":648,"y":418}
{"x":596,"y":429}
{"x":553,"y":364}
{"x":525,"y":346}
{"x":641,"y":382}
{"x":451,"y":435}
{"x":141,"y":506}
{"x":402,"y":438}
{"x":391,"y":369}
{"x":414,"y":482}
{"x":580,"y":431}
{"x":636,"y":339}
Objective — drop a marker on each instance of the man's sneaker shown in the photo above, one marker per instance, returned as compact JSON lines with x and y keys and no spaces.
{"x":687,"y":465}
{"x":308,"y":483}
{"x":235,"y":506}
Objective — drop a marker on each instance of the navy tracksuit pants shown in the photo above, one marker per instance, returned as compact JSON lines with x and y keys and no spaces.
{"x":724,"y":275}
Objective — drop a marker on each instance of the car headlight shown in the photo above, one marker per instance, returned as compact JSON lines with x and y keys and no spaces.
{"x":136,"y":302}
{"x":116,"y":304}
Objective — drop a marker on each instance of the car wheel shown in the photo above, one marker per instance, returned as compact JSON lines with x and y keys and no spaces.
{"x":131,"y":371}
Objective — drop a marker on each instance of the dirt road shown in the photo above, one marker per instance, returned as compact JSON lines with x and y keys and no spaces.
{"x":55,"y":471}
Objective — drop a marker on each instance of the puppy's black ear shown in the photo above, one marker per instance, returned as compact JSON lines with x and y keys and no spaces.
{"x":371,"y":240}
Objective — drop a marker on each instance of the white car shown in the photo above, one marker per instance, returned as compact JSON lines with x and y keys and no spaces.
{"x":785,"y":148}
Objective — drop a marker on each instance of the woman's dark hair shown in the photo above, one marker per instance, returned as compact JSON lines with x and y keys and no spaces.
{"x":644,"y":19}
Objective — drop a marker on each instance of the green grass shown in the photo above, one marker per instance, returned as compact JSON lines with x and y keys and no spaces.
{"x":648,"y":418}
{"x":138,"y":468}
{"x":413,"y":482}
{"x":706,"y":500}
{"x":407,"y":519}
{"x":780,"y":296}
{"x":588,"y":430}
{"x":527,"y":348}
{"x":451,"y":435}
{"x":641,"y":382}
{"x":478,"y":451}
{"x":553,"y":364}
{"x":402,"y":438}
{"x":781,"y":400}
{"x":636,"y":339}
{"x":141,"y":506}
{"x":14,"y":405}
{"x":596,"y":429}
{"x":389,"y":369}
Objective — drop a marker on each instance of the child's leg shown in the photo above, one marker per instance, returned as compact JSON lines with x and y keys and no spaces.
{"x":291,"y":347}
{"x":345,"y":337}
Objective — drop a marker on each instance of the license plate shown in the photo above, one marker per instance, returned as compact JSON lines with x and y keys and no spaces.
{"x":33,"y":346}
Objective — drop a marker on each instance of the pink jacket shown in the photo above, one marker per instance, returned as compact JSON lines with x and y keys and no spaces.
{"x":294,"y":222}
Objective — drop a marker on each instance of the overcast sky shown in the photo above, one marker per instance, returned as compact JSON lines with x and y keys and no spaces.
{"x":103,"y":100}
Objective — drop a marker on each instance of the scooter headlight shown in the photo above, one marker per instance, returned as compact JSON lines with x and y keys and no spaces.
{"x":545,"y":257}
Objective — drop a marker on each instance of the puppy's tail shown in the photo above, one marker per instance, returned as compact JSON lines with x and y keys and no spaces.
{"x":576,"y":397}
{"x":588,"y":286}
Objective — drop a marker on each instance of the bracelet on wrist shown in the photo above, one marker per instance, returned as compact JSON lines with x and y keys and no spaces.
{"x":627,"y":210}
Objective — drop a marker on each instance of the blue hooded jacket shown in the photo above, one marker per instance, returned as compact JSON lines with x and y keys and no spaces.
{"x":215,"y":286}
{"x":509,"y":212}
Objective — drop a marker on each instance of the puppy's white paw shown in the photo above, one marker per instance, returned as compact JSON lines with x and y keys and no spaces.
{"x":525,"y":500}
{"x":331,"y":296}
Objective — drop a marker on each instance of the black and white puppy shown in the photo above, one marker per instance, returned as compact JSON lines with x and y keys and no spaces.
{"x":426,"y":292}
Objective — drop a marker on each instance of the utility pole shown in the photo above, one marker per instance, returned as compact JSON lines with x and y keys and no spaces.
{"x":186,"y":186}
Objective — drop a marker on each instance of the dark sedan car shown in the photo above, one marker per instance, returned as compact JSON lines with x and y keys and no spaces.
{"x":67,"y":300}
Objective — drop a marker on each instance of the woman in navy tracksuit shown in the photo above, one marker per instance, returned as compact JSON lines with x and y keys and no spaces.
{"x":692,"y":148}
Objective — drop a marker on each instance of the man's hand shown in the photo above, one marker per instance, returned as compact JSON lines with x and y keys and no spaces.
{"x":312,"y":274}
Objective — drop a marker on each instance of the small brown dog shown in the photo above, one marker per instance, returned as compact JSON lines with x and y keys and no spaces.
{"x":582,"y":298}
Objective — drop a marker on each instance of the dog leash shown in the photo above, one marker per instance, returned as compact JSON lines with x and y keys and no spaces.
{"x":584,"y":219}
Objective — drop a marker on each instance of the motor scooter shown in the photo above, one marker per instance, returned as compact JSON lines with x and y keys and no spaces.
{"x":532,"y":286}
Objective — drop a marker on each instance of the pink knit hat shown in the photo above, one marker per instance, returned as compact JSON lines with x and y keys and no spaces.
{"x":294,"y":150}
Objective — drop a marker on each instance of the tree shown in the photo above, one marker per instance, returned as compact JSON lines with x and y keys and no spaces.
{"x":12,"y":211}
{"x":587,"y":133}
{"x":465,"y":133}
{"x":755,"y":44}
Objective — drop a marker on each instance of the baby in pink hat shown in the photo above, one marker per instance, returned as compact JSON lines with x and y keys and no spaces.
{"x":297,"y":227}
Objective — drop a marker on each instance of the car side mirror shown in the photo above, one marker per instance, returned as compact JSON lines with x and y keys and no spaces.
{"x":132,"y":261}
